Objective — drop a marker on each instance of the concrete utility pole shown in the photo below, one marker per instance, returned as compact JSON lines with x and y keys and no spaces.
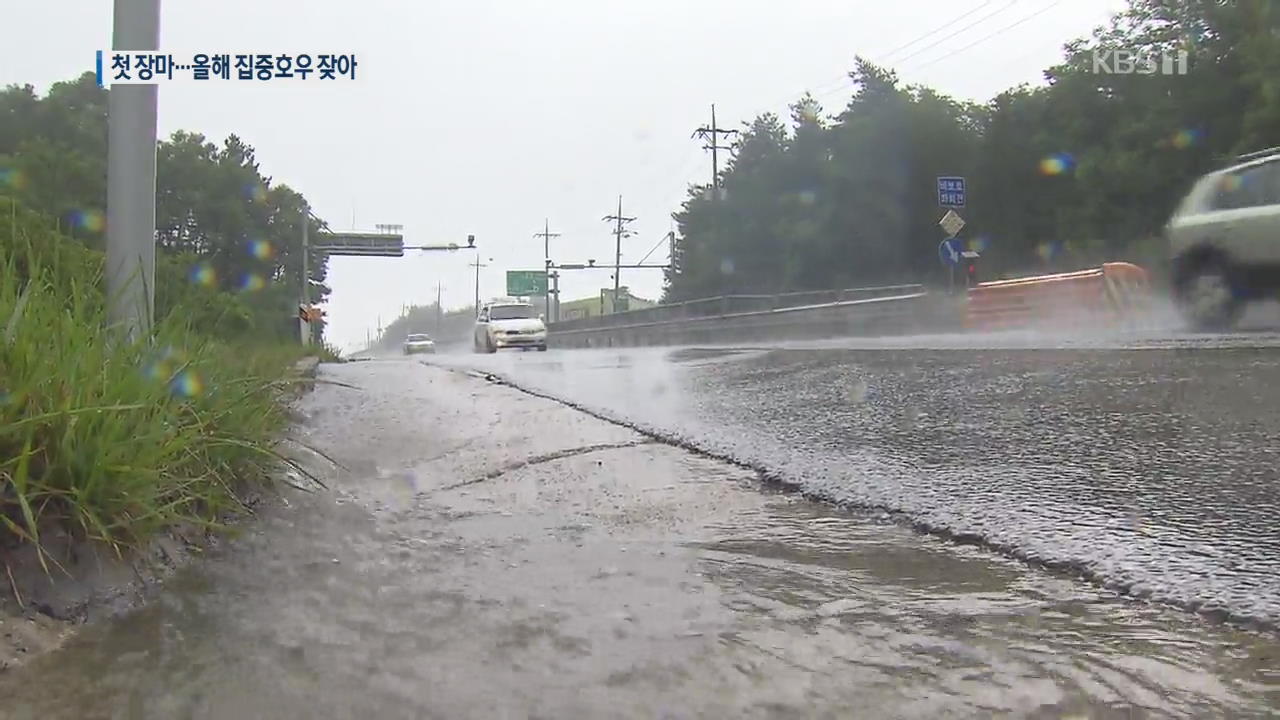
{"x":546,"y":236}
{"x":439,"y":312}
{"x":477,"y":265}
{"x":712,"y":136}
{"x":131,"y":178}
{"x":304,"y":326}
{"x":618,"y":234}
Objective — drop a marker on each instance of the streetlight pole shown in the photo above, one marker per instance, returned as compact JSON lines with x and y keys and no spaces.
{"x":131,"y":178}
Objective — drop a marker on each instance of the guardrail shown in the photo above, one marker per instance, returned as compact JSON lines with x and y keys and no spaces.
{"x":724,"y":305}
{"x":881,"y":310}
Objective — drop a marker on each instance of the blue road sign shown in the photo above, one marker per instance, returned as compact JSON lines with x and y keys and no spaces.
{"x":949,"y":251}
{"x":951,"y":192}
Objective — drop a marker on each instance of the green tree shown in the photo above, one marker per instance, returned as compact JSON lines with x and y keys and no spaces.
{"x":1082,"y":170}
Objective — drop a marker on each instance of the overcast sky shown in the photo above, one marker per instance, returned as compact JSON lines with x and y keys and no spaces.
{"x":486,"y":116}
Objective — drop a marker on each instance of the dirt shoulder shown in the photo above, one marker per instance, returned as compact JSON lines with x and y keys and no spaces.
{"x":43,"y":601}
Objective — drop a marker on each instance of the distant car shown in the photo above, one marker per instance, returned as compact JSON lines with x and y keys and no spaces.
{"x":1224,"y":240}
{"x":419,"y":343}
{"x":509,"y":325}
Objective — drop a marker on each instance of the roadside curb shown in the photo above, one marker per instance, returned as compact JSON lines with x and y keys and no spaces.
{"x":305,"y":370}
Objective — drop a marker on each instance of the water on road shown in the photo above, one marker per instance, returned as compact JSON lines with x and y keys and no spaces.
{"x":1153,"y":467}
{"x":486,"y":553}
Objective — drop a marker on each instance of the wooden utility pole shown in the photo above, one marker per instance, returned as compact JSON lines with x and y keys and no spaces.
{"x":619,"y":232}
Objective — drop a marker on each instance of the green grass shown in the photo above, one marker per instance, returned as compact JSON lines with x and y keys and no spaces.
{"x":110,"y":440}
{"x":329,"y":354}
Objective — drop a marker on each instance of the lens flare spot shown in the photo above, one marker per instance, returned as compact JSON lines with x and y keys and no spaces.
{"x":1057,"y":164}
{"x":204,"y":274}
{"x":186,"y":384}
{"x":255,"y":192}
{"x":252,"y":282}
{"x":808,"y":197}
{"x":1186,"y":138}
{"x":1047,"y":251}
{"x":261,"y":249}
{"x":980,"y":243}
{"x":12,"y":178}
{"x":162,"y":366}
{"x":1231,"y":183}
{"x":89,"y":220}
{"x":726,"y":266}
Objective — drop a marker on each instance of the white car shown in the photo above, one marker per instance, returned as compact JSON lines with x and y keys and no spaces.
{"x":1224,"y":240}
{"x":509,"y":325}
{"x":419,"y":343}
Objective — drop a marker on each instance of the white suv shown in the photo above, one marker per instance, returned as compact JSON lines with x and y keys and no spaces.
{"x":509,"y":325}
{"x":1224,"y":239}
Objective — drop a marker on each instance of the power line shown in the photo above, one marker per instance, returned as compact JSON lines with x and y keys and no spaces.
{"x":944,"y":26}
{"x":826,"y":89}
{"x":665,"y":238}
{"x":971,"y":25}
{"x":883,"y":58}
{"x":985,"y":38}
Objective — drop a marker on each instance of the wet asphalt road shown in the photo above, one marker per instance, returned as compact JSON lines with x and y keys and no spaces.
{"x":487,"y":553}
{"x":1150,"y":464}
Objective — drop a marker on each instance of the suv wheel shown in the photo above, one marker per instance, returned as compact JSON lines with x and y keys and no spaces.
{"x":1208,"y":297}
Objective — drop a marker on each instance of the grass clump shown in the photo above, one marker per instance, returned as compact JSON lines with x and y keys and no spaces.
{"x":112,"y":440}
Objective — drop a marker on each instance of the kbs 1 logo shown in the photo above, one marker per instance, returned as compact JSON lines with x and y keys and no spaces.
{"x":1127,"y":62}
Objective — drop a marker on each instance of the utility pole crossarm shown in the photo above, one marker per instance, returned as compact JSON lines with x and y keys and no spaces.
{"x":711,"y":134}
{"x":618,"y":234}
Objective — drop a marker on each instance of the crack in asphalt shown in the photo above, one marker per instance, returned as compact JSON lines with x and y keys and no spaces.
{"x":896,"y":515}
{"x":545,"y":458}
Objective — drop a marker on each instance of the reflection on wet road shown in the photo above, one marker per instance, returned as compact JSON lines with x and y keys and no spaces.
{"x":491,"y":554}
{"x":1153,"y":469}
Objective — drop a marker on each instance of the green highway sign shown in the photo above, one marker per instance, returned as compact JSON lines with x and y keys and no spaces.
{"x":526,"y":283}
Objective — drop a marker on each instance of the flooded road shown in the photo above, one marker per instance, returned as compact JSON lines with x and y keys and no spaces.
{"x":487,"y":553}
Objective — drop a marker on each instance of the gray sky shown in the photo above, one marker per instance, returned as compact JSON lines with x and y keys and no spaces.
{"x":485,"y":116}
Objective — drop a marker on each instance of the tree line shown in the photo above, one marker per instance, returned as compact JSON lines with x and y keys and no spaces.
{"x":1084,"y":169}
{"x":226,"y":230}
